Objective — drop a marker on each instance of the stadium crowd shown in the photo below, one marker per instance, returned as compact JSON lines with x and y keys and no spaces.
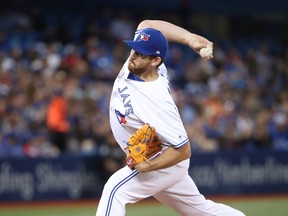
{"x":56,"y":76}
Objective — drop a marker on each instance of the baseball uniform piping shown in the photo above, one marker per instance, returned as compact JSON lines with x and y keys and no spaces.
{"x":182,"y":143}
{"x":110,"y":200}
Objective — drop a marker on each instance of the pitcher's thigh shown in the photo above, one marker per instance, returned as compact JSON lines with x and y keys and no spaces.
{"x":184,"y":198}
{"x":125,"y":186}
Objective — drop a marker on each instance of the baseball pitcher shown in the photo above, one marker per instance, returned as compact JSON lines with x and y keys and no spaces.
{"x":147,"y":126}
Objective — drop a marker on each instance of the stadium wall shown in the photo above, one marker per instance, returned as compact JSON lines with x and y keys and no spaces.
{"x":75,"y":178}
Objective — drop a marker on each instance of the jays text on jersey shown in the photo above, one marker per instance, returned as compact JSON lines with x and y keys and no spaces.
{"x":134,"y":103}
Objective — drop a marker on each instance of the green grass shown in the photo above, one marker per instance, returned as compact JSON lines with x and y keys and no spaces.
{"x":251,"y":207}
{"x":51,"y":211}
{"x":265,"y":207}
{"x":278,"y":207}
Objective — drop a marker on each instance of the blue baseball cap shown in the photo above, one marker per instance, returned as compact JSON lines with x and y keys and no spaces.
{"x":150,"y":42}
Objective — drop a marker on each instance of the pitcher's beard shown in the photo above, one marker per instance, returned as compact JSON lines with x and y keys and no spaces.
{"x":134,"y":70}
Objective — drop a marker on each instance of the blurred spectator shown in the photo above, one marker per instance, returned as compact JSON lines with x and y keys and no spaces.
{"x":11,"y":145}
{"x":122,"y":26}
{"x":278,"y":130}
{"x":57,"y":124}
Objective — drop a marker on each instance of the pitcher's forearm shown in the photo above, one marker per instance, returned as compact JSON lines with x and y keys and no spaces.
{"x":168,"y":158}
{"x":174,"y":33}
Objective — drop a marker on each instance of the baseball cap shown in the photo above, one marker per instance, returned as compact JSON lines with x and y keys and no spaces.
{"x":150,"y":42}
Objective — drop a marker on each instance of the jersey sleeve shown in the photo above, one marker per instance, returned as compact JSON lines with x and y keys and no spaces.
{"x":170,"y":128}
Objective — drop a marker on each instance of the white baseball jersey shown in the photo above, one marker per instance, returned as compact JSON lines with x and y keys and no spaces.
{"x":134,"y":103}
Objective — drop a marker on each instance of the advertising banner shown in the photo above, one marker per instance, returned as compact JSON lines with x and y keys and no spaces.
{"x":73,"y":178}
{"x":240,"y":172}
{"x":44,"y":179}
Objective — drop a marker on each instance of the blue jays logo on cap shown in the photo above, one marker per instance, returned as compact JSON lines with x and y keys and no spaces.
{"x":150,"y":42}
{"x":143,"y":36}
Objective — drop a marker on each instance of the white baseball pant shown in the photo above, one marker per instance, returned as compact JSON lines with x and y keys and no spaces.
{"x":172,"y":187}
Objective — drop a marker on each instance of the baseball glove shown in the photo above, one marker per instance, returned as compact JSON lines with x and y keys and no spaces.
{"x":142,"y":145}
